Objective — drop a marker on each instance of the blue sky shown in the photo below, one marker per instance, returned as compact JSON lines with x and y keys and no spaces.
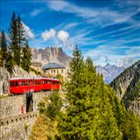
{"x":106,"y":30}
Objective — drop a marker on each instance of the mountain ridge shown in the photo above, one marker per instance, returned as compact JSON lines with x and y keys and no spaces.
{"x":50,"y":54}
{"x":127,"y":87}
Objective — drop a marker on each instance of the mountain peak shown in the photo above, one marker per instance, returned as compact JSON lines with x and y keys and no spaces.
{"x":50,"y":54}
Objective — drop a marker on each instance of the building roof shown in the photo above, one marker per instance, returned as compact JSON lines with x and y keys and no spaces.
{"x":53,"y":66}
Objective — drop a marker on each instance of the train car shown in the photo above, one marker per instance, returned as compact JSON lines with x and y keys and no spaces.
{"x":21,"y":85}
{"x":51,"y":84}
{"x":25,"y":85}
{"x":37,"y":85}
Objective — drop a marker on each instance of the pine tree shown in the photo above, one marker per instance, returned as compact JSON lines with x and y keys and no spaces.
{"x":20,"y":38}
{"x":71,"y":121}
{"x":9,"y":62}
{"x":89,"y":113}
{"x":17,"y":37}
{"x":6,"y":56}
{"x":3,"y":48}
{"x":26,"y":58}
{"x":13,"y":37}
{"x":0,"y":57}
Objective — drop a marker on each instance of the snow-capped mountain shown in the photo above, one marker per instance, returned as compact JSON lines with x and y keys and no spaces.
{"x":109,"y":71}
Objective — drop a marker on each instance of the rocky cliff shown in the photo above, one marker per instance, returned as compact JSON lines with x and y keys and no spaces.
{"x":50,"y":54}
{"x":127,"y":87}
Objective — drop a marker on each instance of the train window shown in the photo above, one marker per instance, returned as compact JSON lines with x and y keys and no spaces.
{"x":28,"y":83}
{"x":49,"y":82}
{"x":12,"y":84}
{"x":38,"y":83}
{"x":46,"y":82}
{"x":33,"y":82}
{"x":23,"y":83}
{"x":20,"y":83}
{"x":16,"y":83}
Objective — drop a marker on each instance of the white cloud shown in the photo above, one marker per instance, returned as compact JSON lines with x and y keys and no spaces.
{"x":28,"y":33}
{"x":63,"y":36}
{"x":113,"y":54}
{"x":125,"y":62}
{"x":58,"y":5}
{"x":48,"y":34}
{"x":35,"y":12}
{"x":71,"y":8}
{"x":70,"y":26}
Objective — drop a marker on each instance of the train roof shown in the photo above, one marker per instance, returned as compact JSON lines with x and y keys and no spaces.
{"x":36,"y":78}
{"x":52,"y":65}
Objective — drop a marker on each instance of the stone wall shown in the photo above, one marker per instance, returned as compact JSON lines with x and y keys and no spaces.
{"x":15,"y":125}
{"x":11,"y":106}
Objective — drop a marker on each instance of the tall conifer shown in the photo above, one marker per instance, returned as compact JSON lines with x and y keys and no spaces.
{"x":26,"y":58}
{"x":6,"y":56}
{"x":9,"y":62}
{"x":86,"y":116}
{"x":13,"y":37}
{"x":20,"y":38}
{"x":3,"y":48}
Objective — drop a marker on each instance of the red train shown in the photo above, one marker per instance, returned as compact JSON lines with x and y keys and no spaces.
{"x":23,"y":85}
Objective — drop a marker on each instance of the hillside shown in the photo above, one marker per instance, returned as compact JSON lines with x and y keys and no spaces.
{"x":127,"y":86}
{"x":50,"y":54}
